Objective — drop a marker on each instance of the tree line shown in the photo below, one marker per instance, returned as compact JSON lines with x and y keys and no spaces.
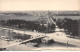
{"x":71,"y":26}
{"x":28,"y":25}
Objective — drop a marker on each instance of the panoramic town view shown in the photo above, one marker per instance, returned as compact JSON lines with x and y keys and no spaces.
{"x":39,"y":30}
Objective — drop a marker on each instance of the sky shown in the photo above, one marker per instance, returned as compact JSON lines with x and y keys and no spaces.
{"x":28,"y":5}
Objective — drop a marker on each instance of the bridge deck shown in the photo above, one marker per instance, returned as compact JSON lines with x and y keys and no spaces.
{"x":23,"y":41}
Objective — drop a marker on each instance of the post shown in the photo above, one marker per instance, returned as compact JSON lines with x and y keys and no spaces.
{"x":79,"y":28}
{"x":67,"y":43}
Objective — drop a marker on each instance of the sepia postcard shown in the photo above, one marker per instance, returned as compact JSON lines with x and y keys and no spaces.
{"x":39,"y":25}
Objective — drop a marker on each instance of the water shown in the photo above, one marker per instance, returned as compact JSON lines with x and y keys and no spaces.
{"x":23,"y":47}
